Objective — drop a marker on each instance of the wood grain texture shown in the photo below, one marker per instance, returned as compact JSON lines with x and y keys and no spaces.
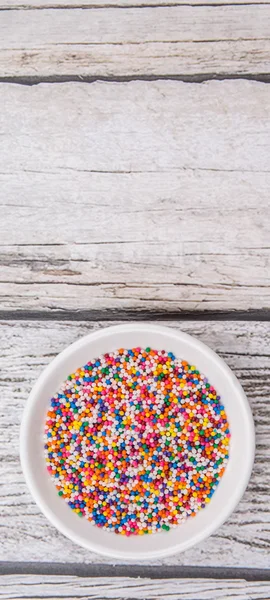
{"x":136,"y":195}
{"x":136,"y":41}
{"x":27,"y":347}
{"x":53,"y":587}
{"x":29,"y":4}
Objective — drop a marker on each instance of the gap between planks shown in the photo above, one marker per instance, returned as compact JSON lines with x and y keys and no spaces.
{"x":112,"y":315}
{"x":131,"y":570}
{"x":199,"y":78}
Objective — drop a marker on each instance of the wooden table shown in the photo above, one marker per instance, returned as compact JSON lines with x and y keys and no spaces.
{"x":135,"y":181}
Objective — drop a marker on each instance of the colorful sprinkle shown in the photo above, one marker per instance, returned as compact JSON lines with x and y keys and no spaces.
{"x":136,"y":441}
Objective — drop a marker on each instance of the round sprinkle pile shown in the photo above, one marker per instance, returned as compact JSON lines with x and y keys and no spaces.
{"x":136,"y":441}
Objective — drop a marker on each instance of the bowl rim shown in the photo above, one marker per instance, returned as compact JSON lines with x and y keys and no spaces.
{"x":30,"y":404}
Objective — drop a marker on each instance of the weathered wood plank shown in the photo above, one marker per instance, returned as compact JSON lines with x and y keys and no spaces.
{"x":54,"y":587}
{"x":163,"y":41}
{"x":135,"y":195}
{"x":26,"y":535}
{"x":28,"y":4}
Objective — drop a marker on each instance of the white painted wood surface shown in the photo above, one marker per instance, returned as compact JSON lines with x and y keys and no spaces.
{"x":186,"y":167}
{"x":162,"y":41}
{"x":26,"y":535}
{"x":28,"y":4}
{"x":135,"y":195}
{"x":53,"y":587}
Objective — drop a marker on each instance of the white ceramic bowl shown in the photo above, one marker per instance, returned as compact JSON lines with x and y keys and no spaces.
{"x":232,"y":484}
